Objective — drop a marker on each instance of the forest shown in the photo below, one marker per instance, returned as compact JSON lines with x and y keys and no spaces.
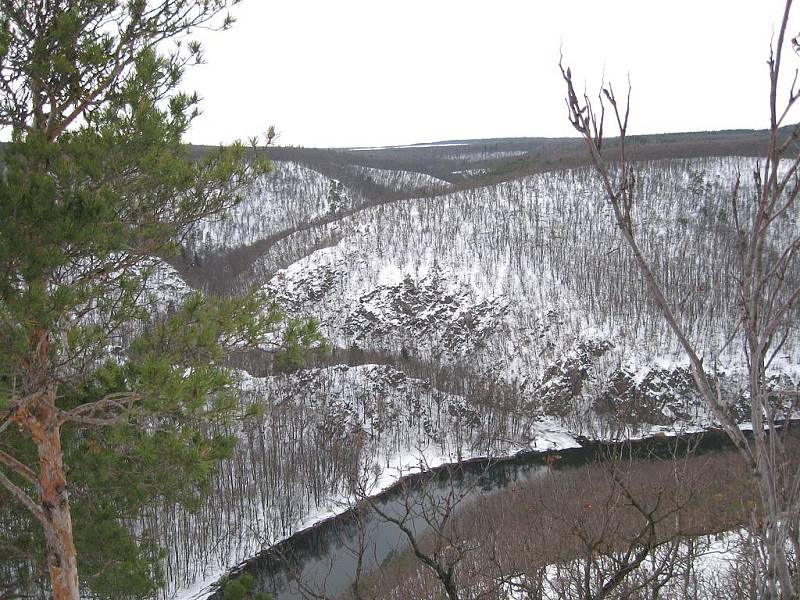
{"x":511,"y":368}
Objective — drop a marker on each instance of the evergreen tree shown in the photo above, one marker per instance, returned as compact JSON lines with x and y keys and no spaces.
{"x":104,"y":405}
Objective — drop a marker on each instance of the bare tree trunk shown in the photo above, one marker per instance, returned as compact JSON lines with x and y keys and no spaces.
{"x":62,"y":562}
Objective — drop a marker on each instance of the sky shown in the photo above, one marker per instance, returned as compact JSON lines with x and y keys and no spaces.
{"x":352,"y":73}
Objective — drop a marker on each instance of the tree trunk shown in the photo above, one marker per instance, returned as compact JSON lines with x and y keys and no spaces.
{"x":54,"y":499}
{"x":450,"y":588}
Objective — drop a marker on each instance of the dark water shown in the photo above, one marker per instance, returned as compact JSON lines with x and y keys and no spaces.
{"x":321,"y":561}
{"x":325,"y":561}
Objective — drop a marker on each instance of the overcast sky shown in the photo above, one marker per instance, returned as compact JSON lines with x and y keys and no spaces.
{"x":386,"y":72}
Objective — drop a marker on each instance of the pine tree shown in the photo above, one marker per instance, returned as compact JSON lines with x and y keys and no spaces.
{"x":104,"y":405}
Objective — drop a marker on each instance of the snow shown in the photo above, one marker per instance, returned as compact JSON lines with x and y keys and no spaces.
{"x":496,"y":279}
{"x":290,"y":196}
{"x":419,"y":456}
{"x":716,"y":556}
{"x":403,"y":181}
{"x":487,"y":241}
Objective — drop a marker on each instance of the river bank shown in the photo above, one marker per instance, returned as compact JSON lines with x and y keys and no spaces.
{"x":323,"y":555}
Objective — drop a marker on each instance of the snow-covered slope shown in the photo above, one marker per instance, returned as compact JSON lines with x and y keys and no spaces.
{"x":510,"y":278}
{"x":289,"y":196}
{"x":323,"y":430}
{"x":512,"y":316}
{"x":401,"y":181}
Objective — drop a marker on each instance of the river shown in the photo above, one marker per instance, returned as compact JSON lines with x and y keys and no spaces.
{"x":322,"y":561}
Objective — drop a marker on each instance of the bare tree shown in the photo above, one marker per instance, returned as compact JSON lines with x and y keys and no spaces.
{"x":614,"y":529}
{"x":425,"y":514}
{"x":631,"y":525}
{"x":768,"y":294}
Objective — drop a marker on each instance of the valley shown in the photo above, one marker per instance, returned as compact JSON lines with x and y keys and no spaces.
{"x":290,"y":314}
{"x":466,"y":320}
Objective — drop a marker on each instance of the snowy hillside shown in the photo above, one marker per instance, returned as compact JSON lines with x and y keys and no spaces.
{"x":322,"y":430}
{"x":503,"y":318}
{"x":510,"y":276}
{"x":403,"y":181}
{"x":289,"y":196}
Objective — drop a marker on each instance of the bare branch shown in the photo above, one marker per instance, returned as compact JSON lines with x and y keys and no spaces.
{"x":119,"y":404}
{"x":23,"y":498}
{"x":19,"y":468}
